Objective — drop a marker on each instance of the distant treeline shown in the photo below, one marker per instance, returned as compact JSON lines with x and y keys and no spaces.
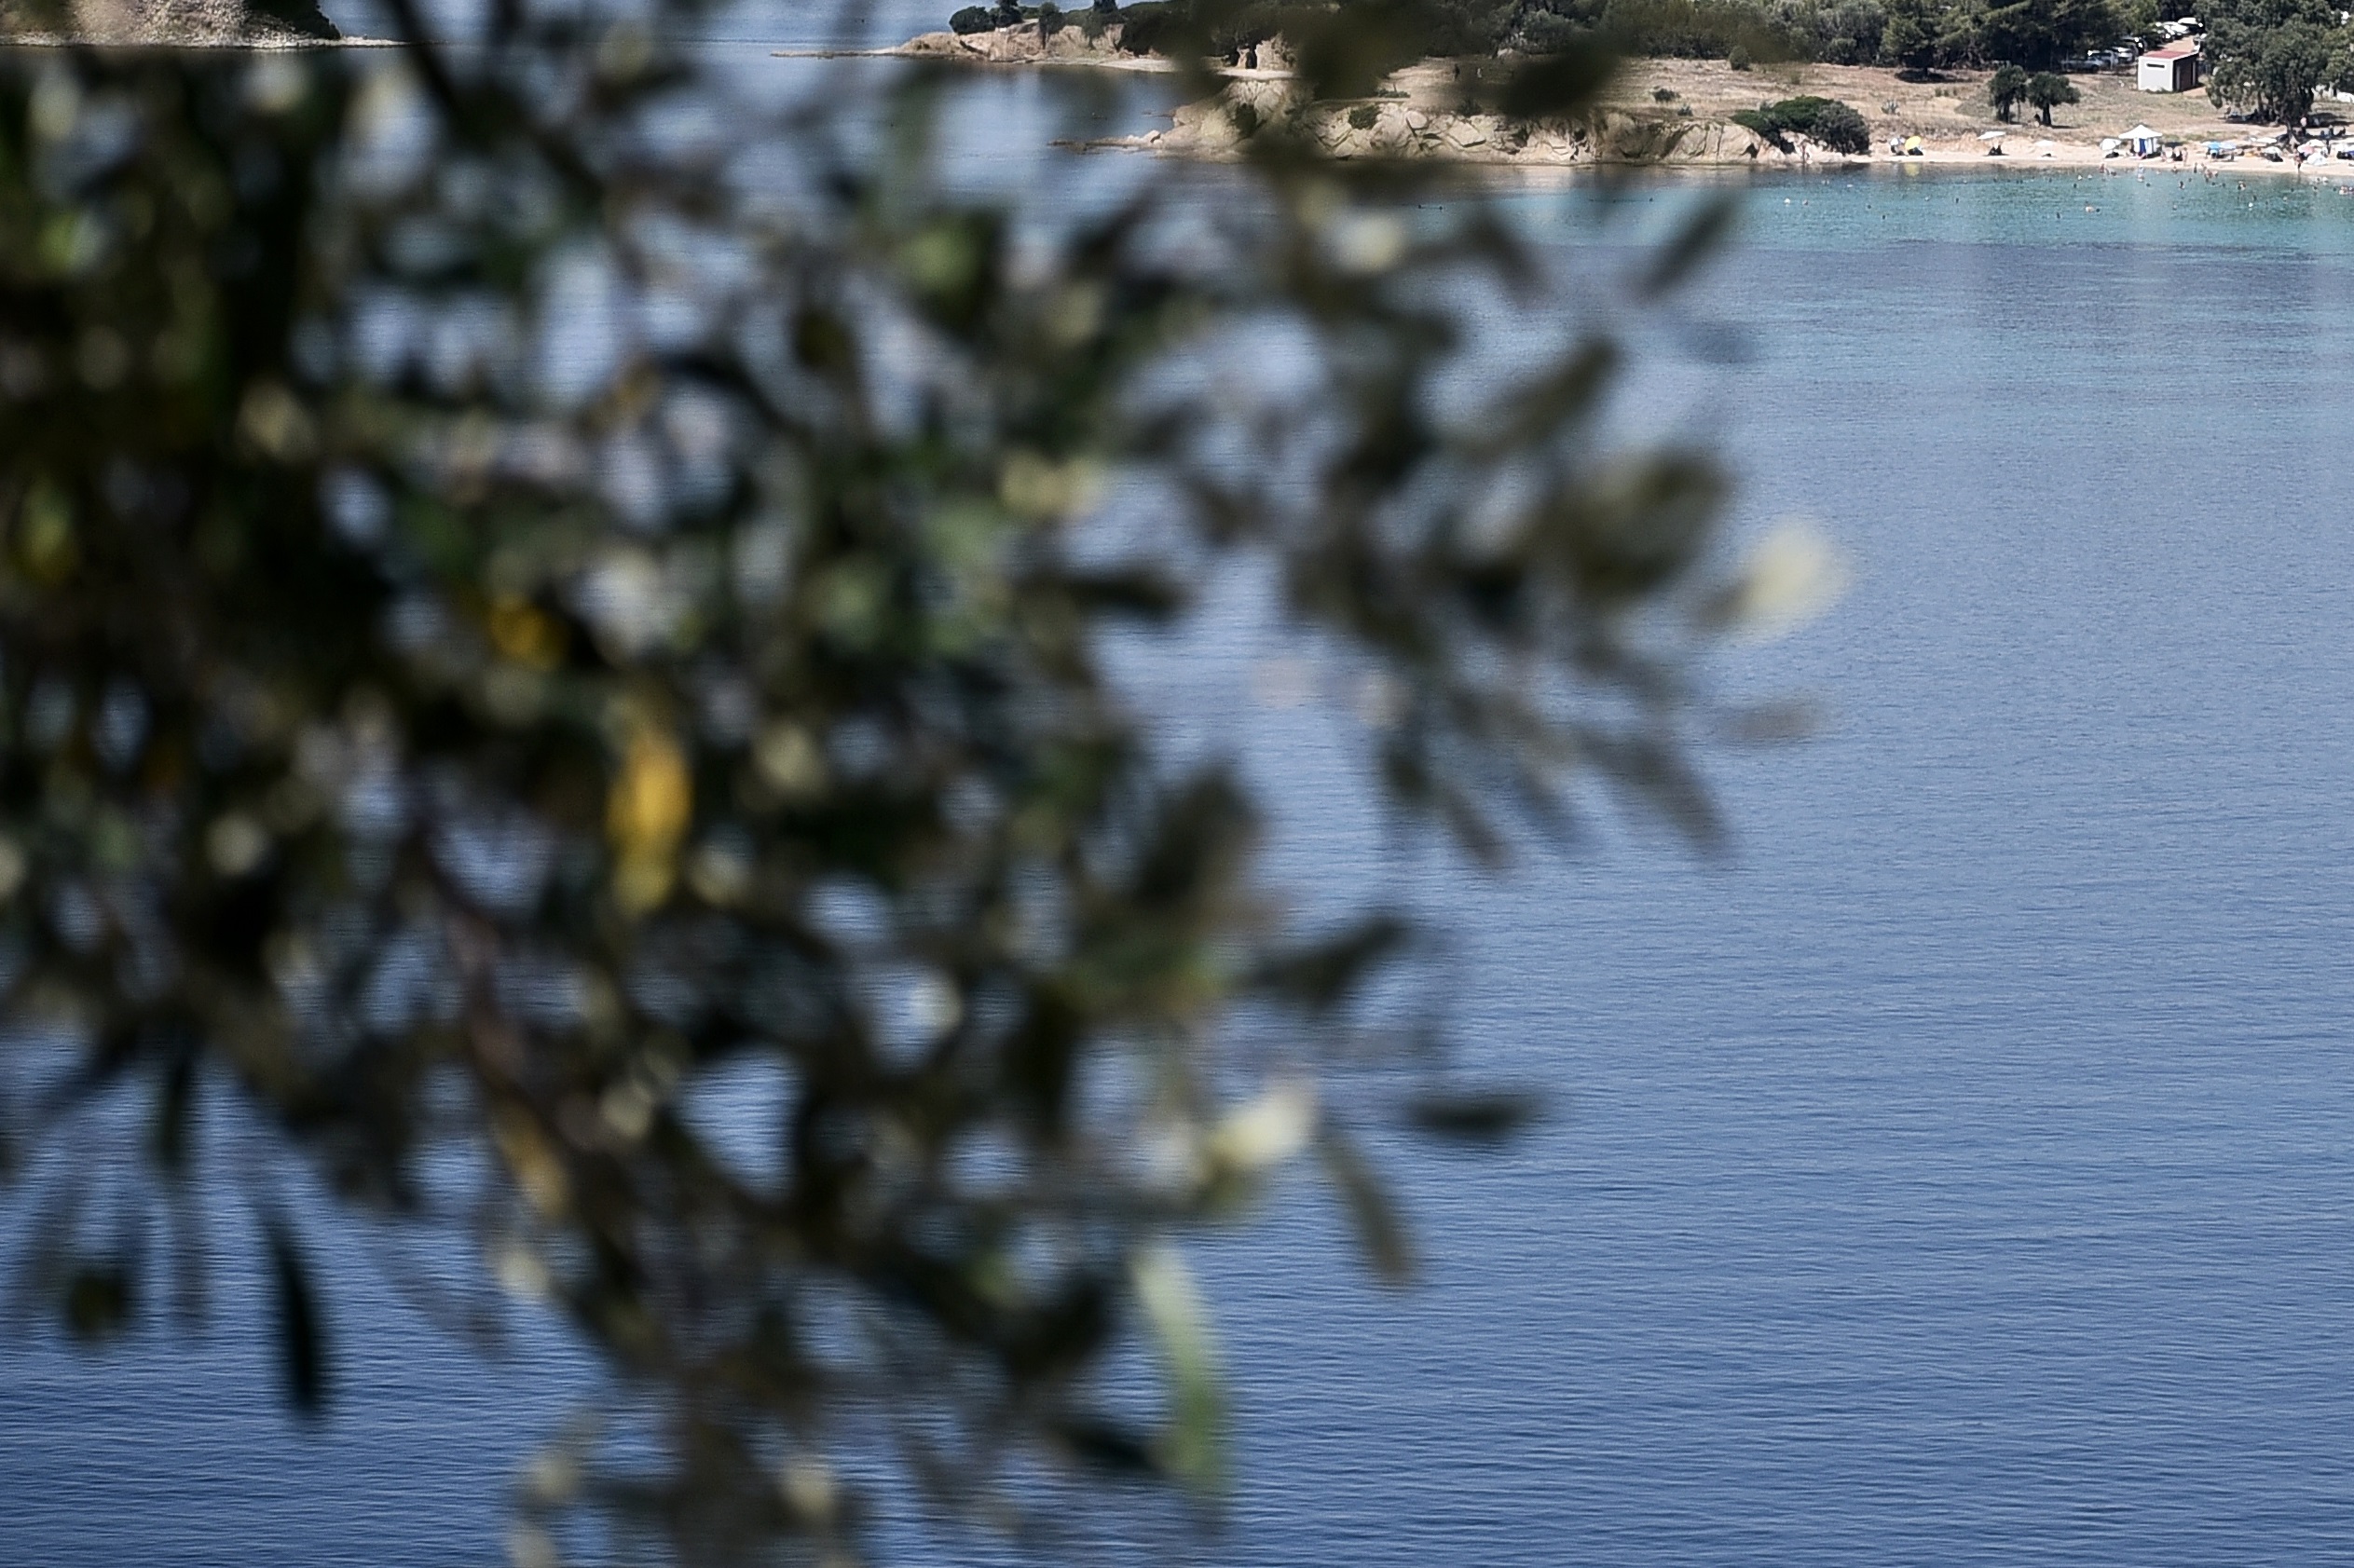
{"x":2269,"y":56}
{"x":1918,"y":34}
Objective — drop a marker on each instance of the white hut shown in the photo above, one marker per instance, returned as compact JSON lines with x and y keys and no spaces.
{"x":2176,"y":68}
{"x":2142,"y":142}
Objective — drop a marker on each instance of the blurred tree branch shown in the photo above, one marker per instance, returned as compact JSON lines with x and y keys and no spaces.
{"x":533,"y":579}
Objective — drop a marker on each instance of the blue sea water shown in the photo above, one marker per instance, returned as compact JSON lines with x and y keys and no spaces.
{"x":1960,"y":1169}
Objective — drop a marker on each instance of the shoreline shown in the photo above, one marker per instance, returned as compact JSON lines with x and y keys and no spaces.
{"x":1151,"y":66}
{"x":1622,"y":135}
{"x":1658,"y":114}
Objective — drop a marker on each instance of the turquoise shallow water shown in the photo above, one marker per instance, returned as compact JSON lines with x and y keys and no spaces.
{"x":2158,"y":205}
{"x":1961,"y":1171}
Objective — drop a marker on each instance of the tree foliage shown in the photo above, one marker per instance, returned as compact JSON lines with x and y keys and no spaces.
{"x":1917,"y":36}
{"x":2006,"y":89}
{"x":1924,"y":34}
{"x":1838,"y":32}
{"x":2047,"y":90}
{"x":1841,"y":128}
{"x":2271,"y":56}
{"x":1838,"y":125}
{"x":537,"y":591}
{"x":2040,"y":34}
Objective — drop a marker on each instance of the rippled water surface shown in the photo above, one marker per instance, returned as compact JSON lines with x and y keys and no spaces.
{"x":1960,"y":1171}
{"x":1965,"y":1172}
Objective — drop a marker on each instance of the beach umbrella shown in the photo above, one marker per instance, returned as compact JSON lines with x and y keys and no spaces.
{"x":1991,"y":135}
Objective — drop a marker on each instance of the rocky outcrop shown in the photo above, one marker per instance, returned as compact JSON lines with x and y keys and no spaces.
{"x":1265,"y":100}
{"x":1399,"y":129}
{"x":202,"y":23}
{"x":1079,"y":41}
{"x":1022,"y":46}
{"x":1638,"y":138}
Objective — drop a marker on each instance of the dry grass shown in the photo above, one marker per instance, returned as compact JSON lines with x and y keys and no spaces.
{"x":1953,"y":110}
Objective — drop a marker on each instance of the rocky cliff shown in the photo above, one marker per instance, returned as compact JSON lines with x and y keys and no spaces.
{"x":205,"y":24}
{"x":1025,"y":46}
{"x":1399,"y":128}
{"x":1407,"y":124}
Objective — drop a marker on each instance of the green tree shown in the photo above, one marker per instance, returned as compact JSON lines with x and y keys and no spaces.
{"x":2271,"y":56}
{"x":509,"y":627}
{"x":2140,"y":18}
{"x":2047,"y":90}
{"x":2006,"y":89}
{"x":1841,"y":128}
{"x":2040,"y":34}
{"x":1843,"y":31}
{"x":1836,"y":125}
{"x":1924,"y":34}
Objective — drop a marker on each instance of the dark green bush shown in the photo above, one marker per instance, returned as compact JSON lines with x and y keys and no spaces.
{"x":1840,"y":128}
{"x":1801,"y":114}
{"x":1363,"y":115}
{"x":1551,"y":33}
{"x":1836,"y":125}
{"x":973,"y":19}
{"x":1142,"y":27}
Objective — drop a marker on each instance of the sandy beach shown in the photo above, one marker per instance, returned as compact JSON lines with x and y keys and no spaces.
{"x":1673,"y":112}
{"x":1949,"y":113}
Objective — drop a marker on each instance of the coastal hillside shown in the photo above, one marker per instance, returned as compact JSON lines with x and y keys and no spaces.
{"x":2274,"y":62}
{"x":1680,"y":110}
{"x":177,"y":23}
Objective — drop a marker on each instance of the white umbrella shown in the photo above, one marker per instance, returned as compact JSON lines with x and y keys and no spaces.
{"x":1993,"y":135}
